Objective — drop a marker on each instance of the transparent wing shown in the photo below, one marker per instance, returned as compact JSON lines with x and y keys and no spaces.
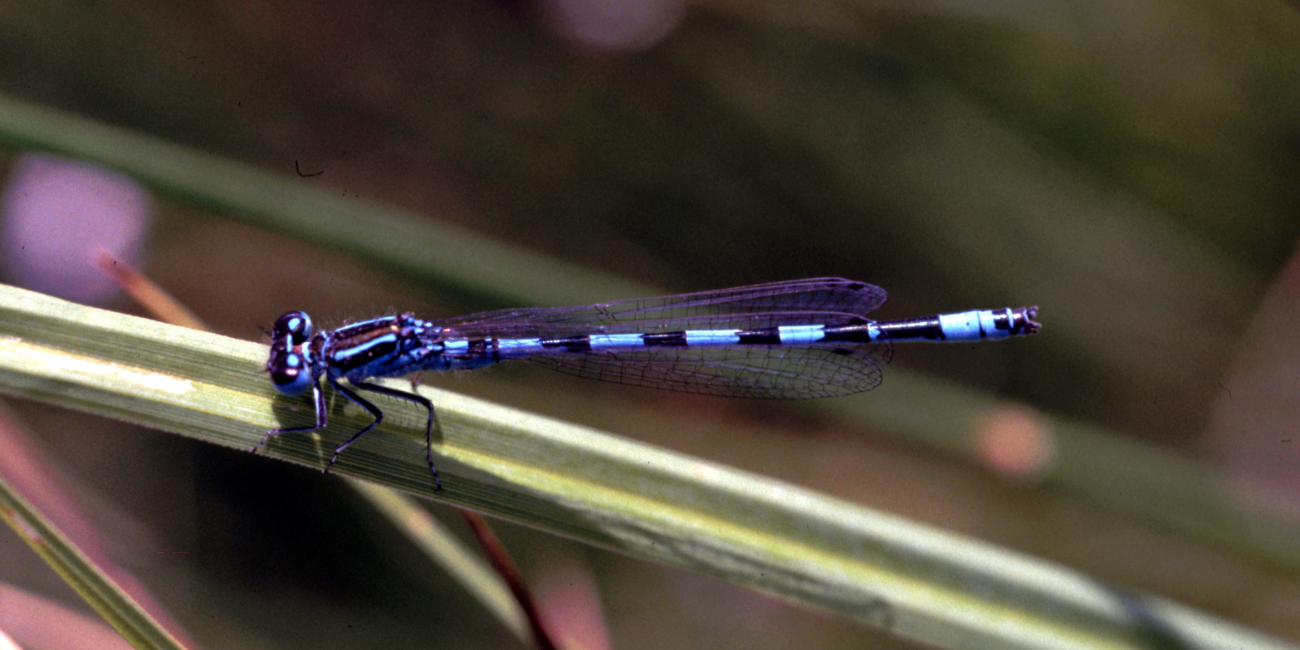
{"x":743,"y":371}
{"x":773,"y":372}
{"x":798,"y":302}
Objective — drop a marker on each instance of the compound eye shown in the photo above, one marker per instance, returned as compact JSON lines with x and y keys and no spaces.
{"x":296,"y":325}
{"x":289,"y":373}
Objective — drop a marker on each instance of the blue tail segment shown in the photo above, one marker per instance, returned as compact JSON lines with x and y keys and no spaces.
{"x":788,"y":340}
{"x":964,"y":327}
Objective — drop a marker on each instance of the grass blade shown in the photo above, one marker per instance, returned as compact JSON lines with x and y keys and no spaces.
{"x":117,"y":608}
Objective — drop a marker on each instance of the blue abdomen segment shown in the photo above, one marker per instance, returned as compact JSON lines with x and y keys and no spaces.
{"x":801,"y":334}
{"x":980,"y":325}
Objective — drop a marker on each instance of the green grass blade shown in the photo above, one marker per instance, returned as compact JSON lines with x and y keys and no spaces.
{"x":786,"y":541}
{"x":117,"y":608}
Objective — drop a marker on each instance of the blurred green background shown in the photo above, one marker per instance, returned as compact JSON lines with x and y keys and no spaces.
{"x":1131,"y":168}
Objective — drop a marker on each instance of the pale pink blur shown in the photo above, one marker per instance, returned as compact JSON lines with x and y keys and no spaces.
{"x":1254,"y":434}
{"x":1015,"y":442}
{"x":57,"y":213}
{"x":37,"y":622}
{"x":569,"y":601}
{"x":619,"y":25}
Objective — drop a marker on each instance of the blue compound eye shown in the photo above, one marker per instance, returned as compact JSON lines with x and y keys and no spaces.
{"x":296,"y":325}
{"x":289,"y":373}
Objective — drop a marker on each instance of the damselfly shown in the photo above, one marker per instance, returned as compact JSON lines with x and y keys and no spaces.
{"x":789,"y":340}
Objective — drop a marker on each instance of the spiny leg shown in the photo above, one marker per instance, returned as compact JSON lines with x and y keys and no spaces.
{"x":428,"y":428}
{"x":363,"y":403}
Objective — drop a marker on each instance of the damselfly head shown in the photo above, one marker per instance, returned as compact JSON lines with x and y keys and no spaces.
{"x":287,"y":364}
